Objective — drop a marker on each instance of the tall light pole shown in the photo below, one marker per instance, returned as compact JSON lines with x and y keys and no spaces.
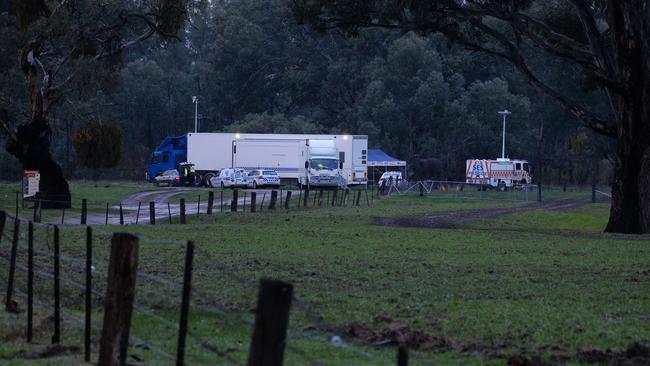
{"x":195,"y":100}
{"x":504,"y":113}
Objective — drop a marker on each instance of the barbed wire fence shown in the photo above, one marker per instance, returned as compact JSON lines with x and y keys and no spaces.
{"x":524,"y":193}
{"x":76,"y":288}
{"x":177,"y":210}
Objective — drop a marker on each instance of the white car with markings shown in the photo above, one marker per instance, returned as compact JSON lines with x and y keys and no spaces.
{"x":231,"y":177}
{"x":264,"y":178}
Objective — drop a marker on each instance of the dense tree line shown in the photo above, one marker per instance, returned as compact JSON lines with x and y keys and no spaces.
{"x":255,"y":69}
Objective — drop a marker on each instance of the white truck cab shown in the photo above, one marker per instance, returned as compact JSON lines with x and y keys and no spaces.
{"x":322,"y":166}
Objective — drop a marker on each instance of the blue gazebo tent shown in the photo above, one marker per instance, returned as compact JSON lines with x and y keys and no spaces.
{"x":379,"y":160}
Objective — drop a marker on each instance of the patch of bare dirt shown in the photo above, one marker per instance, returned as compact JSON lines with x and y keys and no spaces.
{"x":396,"y":333}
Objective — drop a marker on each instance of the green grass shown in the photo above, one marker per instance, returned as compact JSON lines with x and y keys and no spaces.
{"x":97,"y":194}
{"x":515,"y":283}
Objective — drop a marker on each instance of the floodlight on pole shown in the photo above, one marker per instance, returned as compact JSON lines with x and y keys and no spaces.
{"x":195,"y":100}
{"x":504,"y":113}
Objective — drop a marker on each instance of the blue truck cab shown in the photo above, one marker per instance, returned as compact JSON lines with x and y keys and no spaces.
{"x":171,"y":152}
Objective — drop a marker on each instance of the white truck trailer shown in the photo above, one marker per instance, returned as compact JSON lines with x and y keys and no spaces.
{"x":501,"y":173}
{"x":211,"y":152}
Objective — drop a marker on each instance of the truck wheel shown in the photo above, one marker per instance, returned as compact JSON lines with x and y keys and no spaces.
{"x":502,"y":186}
{"x":254,"y":185}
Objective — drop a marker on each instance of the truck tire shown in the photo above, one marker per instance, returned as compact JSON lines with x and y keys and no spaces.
{"x":502,"y":186}
{"x":254,"y":184}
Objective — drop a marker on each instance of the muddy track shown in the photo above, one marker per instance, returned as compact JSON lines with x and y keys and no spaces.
{"x":395,"y":333}
{"x":165,"y":208}
{"x":452,"y":219}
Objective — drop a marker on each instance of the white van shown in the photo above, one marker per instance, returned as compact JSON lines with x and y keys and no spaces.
{"x":386,"y":178}
{"x":231,"y":177}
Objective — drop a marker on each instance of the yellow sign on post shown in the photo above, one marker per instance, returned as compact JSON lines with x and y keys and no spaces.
{"x":31,"y":183}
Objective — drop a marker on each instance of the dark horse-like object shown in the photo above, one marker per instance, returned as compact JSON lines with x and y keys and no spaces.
{"x":427,"y":169}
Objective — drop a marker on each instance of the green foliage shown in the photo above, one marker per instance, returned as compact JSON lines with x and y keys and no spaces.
{"x":276,"y":123}
{"x":256,"y":70}
{"x":29,"y":11}
{"x":98,"y":145}
{"x":172,"y":16}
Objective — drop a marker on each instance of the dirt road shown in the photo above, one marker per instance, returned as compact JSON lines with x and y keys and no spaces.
{"x":161,"y":198}
{"x":451,"y":219}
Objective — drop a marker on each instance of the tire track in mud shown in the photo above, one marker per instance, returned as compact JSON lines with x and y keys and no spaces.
{"x":452,"y":219}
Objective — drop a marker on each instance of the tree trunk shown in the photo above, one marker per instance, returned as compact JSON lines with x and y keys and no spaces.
{"x":630,"y":210}
{"x":32,"y":148}
{"x":31,"y":142}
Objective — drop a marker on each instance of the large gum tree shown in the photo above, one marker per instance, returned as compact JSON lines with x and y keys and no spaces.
{"x":71,"y":49}
{"x":609,"y":40}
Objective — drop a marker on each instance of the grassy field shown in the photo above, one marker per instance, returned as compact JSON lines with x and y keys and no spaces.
{"x":530,"y":282}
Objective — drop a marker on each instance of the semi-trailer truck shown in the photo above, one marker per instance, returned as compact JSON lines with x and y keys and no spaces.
{"x":211,"y":152}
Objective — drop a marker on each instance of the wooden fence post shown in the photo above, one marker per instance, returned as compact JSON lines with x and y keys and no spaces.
{"x":185,"y":303}
{"x":358,"y":198}
{"x":593,"y":192}
{"x":88,"y":288}
{"x":287,"y":199}
{"x":233,"y":202}
{"x":210,"y":202}
{"x":335,"y":196}
{"x":3,"y":221}
{"x":169,"y":211}
{"x":253,"y":201}
{"x":262,"y":204}
{"x":198,"y":206}
{"x":121,"y":215}
{"x":9,"y":306}
{"x":37,"y":211}
{"x":152,"y":213}
{"x":56,"y":338}
{"x":17,"y":199}
{"x":243,"y":205}
{"x":30,"y":279}
{"x":106,"y":223}
{"x":304,"y":201}
{"x":346,"y":197}
{"x":120,"y":295}
{"x":137,"y":216}
{"x":271,"y":320}
{"x":221,"y":209}
{"x":320,"y":198}
{"x":402,"y":356}
{"x":84,"y":211}
{"x":299,"y":197}
{"x":62,"y":214}
{"x":182,"y":204}
{"x":274,"y":199}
